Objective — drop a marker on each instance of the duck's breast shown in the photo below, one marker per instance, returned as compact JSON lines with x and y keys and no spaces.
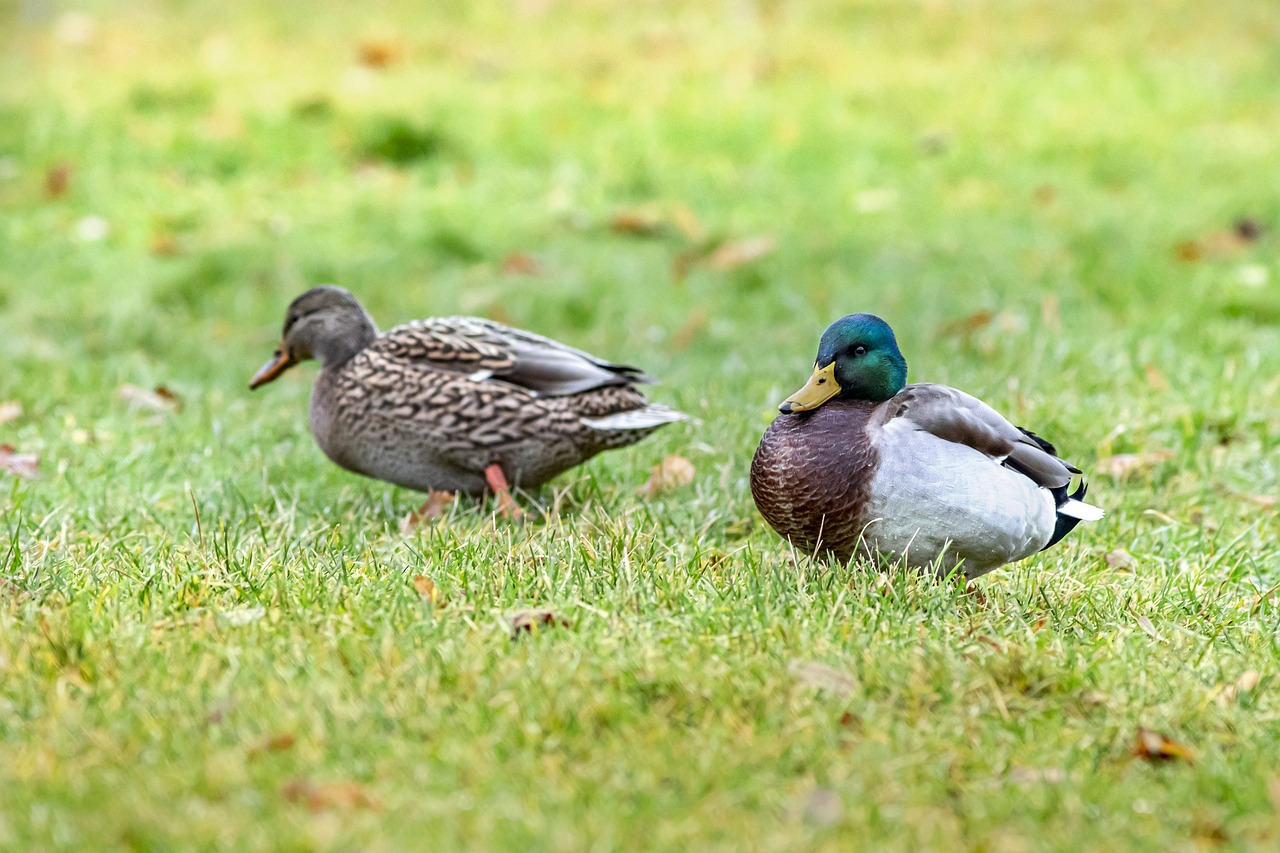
{"x":811,"y":477}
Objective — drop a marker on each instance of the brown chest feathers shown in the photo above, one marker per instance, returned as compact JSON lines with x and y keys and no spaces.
{"x":811,"y":477}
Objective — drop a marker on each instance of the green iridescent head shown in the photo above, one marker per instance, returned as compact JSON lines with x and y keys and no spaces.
{"x":858,"y":359}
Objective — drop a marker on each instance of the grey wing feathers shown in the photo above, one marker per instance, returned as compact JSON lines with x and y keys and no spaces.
{"x":488,"y":349}
{"x":955,"y":416}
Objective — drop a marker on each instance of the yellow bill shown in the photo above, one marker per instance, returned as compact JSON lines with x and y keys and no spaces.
{"x":820,"y":388}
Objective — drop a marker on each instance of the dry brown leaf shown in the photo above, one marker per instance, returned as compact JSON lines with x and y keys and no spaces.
{"x":1188,"y":251}
{"x":379,"y":53}
{"x":19,"y":464}
{"x":321,"y":796}
{"x":1217,"y":244}
{"x":530,"y":621}
{"x":643,"y":221}
{"x":160,"y":400}
{"x":10,"y":410}
{"x":668,"y":475}
{"x":1232,"y":692}
{"x":966,"y":326}
{"x":686,"y":333}
{"x":163,"y":244}
{"x":432,"y":510}
{"x":1121,"y":559}
{"x":822,"y":677}
{"x":688,"y":223}
{"x":1154,"y":746}
{"x":274,"y":743}
{"x":1156,"y":380}
{"x":1124,"y":464}
{"x":427,"y":588}
{"x":57,"y":181}
{"x":731,"y":256}
{"x":520,"y":263}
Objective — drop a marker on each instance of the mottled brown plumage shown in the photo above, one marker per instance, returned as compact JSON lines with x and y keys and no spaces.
{"x":431,"y":404}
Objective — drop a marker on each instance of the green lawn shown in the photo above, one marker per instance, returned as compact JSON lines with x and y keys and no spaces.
{"x":210,"y":636}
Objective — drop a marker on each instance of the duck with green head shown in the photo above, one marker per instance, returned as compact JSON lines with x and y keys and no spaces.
{"x":861,"y":463}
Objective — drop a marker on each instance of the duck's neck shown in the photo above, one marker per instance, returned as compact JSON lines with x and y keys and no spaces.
{"x":343,"y":340}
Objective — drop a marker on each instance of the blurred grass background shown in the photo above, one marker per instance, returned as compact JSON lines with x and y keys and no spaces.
{"x":1069,"y":210}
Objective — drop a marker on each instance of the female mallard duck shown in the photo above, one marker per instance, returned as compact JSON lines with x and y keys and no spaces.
{"x":456,"y":404}
{"x":861,"y":462}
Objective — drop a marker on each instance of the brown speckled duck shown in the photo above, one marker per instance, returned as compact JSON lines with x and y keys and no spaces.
{"x":456,"y":404}
{"x":861,"y":463}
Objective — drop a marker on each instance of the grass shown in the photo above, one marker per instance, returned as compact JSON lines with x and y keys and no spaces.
{"x":209,"y":636}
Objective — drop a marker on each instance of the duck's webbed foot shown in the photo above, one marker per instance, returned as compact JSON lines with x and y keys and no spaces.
{"x":497,"y":481}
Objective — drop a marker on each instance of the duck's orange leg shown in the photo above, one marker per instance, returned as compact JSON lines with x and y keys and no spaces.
{"x":498,"y":483}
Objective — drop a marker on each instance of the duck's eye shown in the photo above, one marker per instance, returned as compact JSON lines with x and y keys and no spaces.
{"x":859,"y":350}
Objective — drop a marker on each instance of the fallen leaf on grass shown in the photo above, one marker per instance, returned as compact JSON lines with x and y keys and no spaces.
{"x":1155,"y":747}
{"x":432,"y":510}
{"x":822,"y":677}
{"x":644,"y":221}
{"x":532,"y":621}
{"x":161,"y":399}
{"x":966,"y":326}
{"x":427,"y":588}
{"x":329,"y":795}
{"x":686,"y":333}
{"x":1228,"y":693}
{"x":163,"y":244}
{"x":379,"y":53}
{"x":520,"y":263}
{"x":1124,"y":464}
{"x":10,"y":410}
{"x":1156,"y":380}
{"x":731,"y":256}
{"x":274,"y":743}
{"x":19,"y":464}
{"x":669,"y":474}
{"x":1121,"y":559}
{"x":1219,"y":244}
{"x":57,"y":181}
{"x":688,"y":223}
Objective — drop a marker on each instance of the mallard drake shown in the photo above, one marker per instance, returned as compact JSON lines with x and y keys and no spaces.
{"x":859,"y":462}
{"x":456,"y":404}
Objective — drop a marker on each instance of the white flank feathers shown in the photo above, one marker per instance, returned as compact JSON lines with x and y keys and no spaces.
{"x":652,"y":415}
{"x":1080,"y":510}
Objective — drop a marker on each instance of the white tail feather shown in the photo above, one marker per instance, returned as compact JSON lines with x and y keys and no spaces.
{"x":1080,"y":510}
{"x":652,"y":415}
